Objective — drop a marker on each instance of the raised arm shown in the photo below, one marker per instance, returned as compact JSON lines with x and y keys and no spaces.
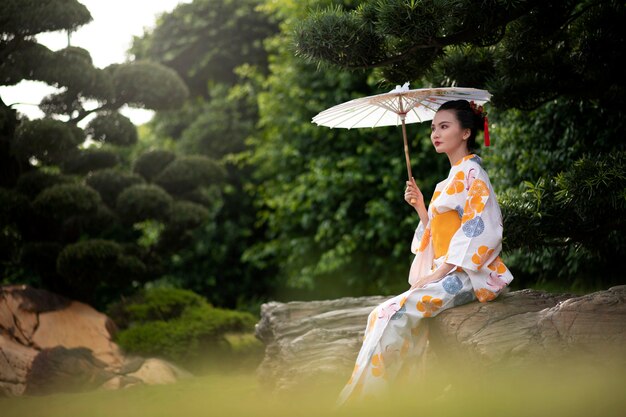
{"x":414,"y":197}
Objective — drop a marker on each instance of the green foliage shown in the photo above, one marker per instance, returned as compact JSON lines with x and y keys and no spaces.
{"x":63,"y":200}
{"x":331,"y":200}
{"x":357,"y":40}
{"x":155,"y":303}
{"x":113,"y":128}
{"x":151,"y":163}
{"x":525,"y":52}
{"x":185,"y":218}
{"x":47,"y":140}
{"x":56,"y":232}
{"x":29,"y":17}
{"x":89,"y":160}
{"x":13,"y":207}
{"x":221,"y":124}
{"x":110,"y":183}
{"x":73,"y":68}
{"x":142,"y":202}
{"x":205,"y":40}
{"x":568,"y":228}
{"x":177,"y":324}
{"x":145,"y":84}
{"x":186,"y":173}
{"x":89,"y":266}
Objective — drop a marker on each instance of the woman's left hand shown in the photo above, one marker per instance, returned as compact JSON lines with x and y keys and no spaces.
{"x":422,"y":282}
{"x":438,"y":274}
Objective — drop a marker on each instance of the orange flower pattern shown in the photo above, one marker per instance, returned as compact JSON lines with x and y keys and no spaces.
{"x":429,"y":305}
{"x":484,"y":295}
{"x":482,"y":254}
{"x":474,"y":204}
{"x":378,"y":367}
{"x":497,"y":266}
{"x":457,"y":184}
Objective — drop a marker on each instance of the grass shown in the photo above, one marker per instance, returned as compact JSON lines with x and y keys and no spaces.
{"x":571,"y":389}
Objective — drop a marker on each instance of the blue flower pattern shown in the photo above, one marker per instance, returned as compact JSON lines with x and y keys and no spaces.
{"x":459,"y":210}
{"x":452,"y":284}
{"x":398,"y":314}
{"x":463,"y":298}
{"x":474,"y":227}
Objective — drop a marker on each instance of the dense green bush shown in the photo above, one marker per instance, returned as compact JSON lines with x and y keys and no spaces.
{"x":110,"y":183}
{"x":150,"y":164}
{"x":64,"y":200}
{"x":46,"y":140}
{"x":113,"y":128}
{"x":142,"y":202}
{"x":92,"y":265}
{"x":188,"y":172}
{"x":159,"y":303}
{"x":34,"y":182}
{"x":89,"y":160}
{"x":179,"y":325}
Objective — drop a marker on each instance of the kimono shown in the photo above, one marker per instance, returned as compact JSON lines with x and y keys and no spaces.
{"x":464,"y":229}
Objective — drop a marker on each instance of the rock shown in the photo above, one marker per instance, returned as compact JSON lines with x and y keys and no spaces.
{"x":157,"y":372}
{"x":15,"y":362}
{"x":317,"y":341}
{"x":76,"y":326}
{"x":62,"y":369}
{"x":51,"y":344}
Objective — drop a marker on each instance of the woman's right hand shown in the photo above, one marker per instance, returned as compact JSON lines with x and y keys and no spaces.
{"x":413,"y":195}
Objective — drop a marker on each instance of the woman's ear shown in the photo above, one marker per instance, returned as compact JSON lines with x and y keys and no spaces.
{"x":466,"y":133}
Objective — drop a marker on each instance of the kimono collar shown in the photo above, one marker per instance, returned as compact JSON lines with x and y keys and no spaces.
{"x":472,"y":157}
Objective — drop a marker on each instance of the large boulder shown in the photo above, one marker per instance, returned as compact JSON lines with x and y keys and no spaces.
{"x":318,"y":341}
{"x":49,"y":344}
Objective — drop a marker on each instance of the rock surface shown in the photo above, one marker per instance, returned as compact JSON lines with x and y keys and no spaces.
{"x":319,"y":340}
{"x":50,"y":344}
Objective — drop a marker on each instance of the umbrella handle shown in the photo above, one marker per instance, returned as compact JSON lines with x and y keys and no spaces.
{"x":406,"y":154}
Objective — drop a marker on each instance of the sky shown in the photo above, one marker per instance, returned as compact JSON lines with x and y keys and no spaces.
{"x":107,"y":38}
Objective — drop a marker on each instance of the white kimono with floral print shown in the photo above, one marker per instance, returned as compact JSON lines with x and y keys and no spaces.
{"x":476,"y":244}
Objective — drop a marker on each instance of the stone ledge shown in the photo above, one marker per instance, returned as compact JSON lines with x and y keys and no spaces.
{"x":319,"y":340}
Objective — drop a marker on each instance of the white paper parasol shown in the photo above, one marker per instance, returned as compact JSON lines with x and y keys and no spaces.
{"x":397,"y":107}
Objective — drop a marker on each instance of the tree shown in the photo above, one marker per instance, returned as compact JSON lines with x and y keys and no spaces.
{"x":75,"y":221}
{"x":217,"y":48}
{"x":525,"y":52}
{"x":558,"y":110}
{"x":205,"y":40}
{"x":331,"y":199}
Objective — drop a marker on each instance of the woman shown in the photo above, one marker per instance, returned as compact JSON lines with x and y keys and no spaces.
{"x":456,"y":247}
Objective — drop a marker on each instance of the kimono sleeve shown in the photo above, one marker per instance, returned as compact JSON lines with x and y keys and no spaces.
{"x":478,"y":240}
{"x":422,"y":247}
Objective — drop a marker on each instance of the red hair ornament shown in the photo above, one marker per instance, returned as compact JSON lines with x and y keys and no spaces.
{"x":478,"y":110}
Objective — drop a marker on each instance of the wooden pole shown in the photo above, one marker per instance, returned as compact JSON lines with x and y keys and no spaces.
{"x":406,"y":143}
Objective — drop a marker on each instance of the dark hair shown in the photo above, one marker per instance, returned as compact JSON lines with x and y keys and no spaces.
{"x":467,"y":119}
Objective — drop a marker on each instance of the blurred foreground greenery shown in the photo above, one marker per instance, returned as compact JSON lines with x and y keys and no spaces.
{"x":576,"y":388}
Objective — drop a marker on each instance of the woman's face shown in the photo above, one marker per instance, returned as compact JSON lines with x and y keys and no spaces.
{"x":446,"y":133}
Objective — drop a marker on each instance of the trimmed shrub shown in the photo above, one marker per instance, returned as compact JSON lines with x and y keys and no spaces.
{"x":198,"y":333}
{"x":113,"y":128}
{"x":183,"y":327}
{"x":142,"y":202}
{"x":160,"y":303}
{"x":90,"y":265}
{"x":47,"y":140}
{"x":151,"y":163}
{"x":88,"y":160}
{"x":110,"y":183}
{"x":65,"y":200}
{"x":188,"y":173}
{"x":34,"y":182}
